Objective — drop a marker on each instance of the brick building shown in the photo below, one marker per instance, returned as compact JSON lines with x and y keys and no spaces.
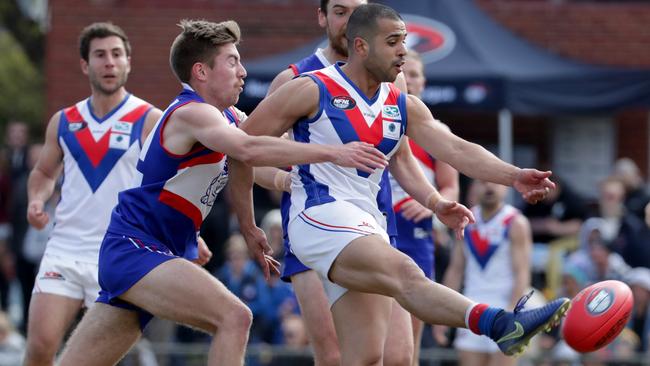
{"x":600,"y":32}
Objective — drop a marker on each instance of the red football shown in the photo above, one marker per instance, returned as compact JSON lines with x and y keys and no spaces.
{"x":597,"y":315}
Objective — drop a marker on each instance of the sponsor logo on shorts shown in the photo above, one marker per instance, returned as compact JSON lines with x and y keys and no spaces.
{"x":365,"y":224}
{"x":343,"y":102}
{"x":51,"y":275}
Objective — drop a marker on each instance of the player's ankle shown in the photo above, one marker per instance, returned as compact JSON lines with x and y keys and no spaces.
{"x":481,"y":318}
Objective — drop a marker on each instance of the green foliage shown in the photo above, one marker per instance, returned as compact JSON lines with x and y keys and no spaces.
{"x":21,"y":85}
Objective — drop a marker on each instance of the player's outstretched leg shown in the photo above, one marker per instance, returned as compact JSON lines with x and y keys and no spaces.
{"x":370,"y":265}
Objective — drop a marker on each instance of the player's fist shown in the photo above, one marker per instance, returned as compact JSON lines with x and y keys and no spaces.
{"x":533,"y":184}
{"x":454,"y":215}
{"x":36,"y":216}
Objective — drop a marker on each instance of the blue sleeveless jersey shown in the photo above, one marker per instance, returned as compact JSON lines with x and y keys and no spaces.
{"x":175,"y":192}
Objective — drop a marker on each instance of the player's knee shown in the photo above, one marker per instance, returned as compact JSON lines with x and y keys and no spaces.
{"x":409,"y":275}
{"x":238,"y":318}
{"x":328,"y":359}
{"x":401,"y":356}
{"x":40,"y":350}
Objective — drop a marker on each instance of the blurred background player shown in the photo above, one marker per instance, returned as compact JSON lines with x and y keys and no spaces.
{"x":97,"y":142}
{"x":414,"y":221}
{"x":492,"y":264}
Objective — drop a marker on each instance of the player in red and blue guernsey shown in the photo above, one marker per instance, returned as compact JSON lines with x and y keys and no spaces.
{"x":333,"y":16}
{"x":143,"y":262}
{"x":338,"y":228}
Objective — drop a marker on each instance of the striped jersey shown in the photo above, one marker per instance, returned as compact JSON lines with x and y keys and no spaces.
{"x":99,"y":158}
{"x":174,"y":193}
{"x":488,"y":263}
{"x":345,"y":115}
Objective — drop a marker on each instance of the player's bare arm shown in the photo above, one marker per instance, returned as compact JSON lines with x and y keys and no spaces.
{"x":408,"y":174}
{"x":520,"y":249}
{"x":279,"y":80}
{"x":447,"y":178}
{"x":42,"y":178}
{"x":470,"y":158}
{"x":150,"y":122}
{"x":273,"y":179}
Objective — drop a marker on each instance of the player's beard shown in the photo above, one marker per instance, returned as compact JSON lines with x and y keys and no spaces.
{"x":338,"y":43}
{"x":97,"y":84}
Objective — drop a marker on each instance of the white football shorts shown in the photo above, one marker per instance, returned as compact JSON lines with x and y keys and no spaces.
{"x":68,"y":277}
{"x":319,"y":234}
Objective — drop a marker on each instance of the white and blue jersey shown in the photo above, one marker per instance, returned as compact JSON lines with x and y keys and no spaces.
{"x":345,"y":115}
{"x":160,"y":218}
{"x":488,"y":260}
{"x":99,"y":156}
{"x":415,"y":239}
{"x":292,"y":265}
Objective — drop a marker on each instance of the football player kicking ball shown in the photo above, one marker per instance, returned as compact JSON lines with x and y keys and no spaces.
{"x":338,"y":230}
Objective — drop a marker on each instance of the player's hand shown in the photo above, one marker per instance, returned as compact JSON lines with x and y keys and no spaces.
{"x":204,"y":253}
{"x":360,"y":155}
{"x":36,"y":216}
{"x":533,"y":184}
{"x":439,"y":333}
{"x":261,"y":250}
{"x":454,"y":215}
{"x":412,"y":210}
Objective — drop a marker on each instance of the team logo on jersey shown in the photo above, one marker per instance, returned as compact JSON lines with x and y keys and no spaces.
{"x":119,"y":141}
{"x":216,"y":185}
{"x":122,"y":127}
{"x":343,"y":102}
{"x":391,"y":112}
{"x":76,"y":126}
{"x":392,"y":130}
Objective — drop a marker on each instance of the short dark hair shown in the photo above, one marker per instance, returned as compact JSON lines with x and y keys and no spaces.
{"x":199,"y":42}
{"x":363,"y":21}
{"x":323,"y":6}
{"x":101,"y":30}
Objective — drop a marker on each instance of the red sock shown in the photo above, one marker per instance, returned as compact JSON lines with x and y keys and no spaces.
{"x":474,"y":316}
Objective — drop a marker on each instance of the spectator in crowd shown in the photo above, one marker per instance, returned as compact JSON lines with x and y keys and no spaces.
{"x":560,"y":214}
{"x":243,"y":278}
{"x":7,"y":267}
{"x":594,"y":258}
{"x":27,"y":242}
{"x":272,"y":226}
{"x":639,"y":281}
{"x":294,"y":332}
{"x":636,"y":195}
{"x":16,"y":146}
{"x":627,"y":234}
{"x":15,"y":167}
{"x":12,"y":343}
